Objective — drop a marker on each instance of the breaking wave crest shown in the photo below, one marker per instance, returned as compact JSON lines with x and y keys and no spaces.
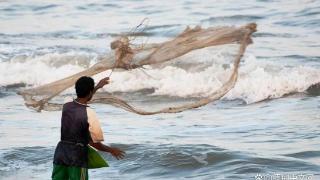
{"x":201,"y":73}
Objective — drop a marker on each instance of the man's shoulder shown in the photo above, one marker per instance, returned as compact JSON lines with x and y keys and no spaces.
{"x":67,"y":105}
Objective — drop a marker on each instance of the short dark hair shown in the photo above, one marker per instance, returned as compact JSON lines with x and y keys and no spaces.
{"x":84,"y":86}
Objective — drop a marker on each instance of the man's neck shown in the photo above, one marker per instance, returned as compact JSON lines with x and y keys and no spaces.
{"x":82,"y":100}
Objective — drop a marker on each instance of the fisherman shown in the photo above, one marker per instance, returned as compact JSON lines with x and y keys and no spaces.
{"x":80,"y":127}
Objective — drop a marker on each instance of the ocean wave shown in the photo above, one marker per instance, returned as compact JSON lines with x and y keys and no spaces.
{"x":18,"y":158}
{"x":194,"y":75}
{"x":39,"y":69}
{"x":165,"y":160}
{"x":305,"y":154}
{"x":233,"y":18}
{"x":260,"y":82}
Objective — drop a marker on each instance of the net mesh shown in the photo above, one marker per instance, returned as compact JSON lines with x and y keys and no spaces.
{"x":125,"y":56}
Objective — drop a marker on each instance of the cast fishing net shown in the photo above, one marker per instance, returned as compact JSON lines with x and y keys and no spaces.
{"x":147,"y":58}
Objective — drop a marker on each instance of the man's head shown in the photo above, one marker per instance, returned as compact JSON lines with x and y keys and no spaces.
{"x":84,"y":87}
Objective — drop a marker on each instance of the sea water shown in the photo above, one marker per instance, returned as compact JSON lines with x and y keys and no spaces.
{"x":267,"y":126}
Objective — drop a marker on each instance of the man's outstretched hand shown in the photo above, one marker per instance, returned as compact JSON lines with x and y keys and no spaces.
{"x":117,"y":153}
{"x":103,"y":82}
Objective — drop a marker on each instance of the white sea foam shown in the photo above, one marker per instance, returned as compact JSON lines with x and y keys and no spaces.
{"x":258,"y":80}
{"x":41,"y":69}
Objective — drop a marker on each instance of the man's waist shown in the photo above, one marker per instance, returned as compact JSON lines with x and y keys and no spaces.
{"x":76,"y":143}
